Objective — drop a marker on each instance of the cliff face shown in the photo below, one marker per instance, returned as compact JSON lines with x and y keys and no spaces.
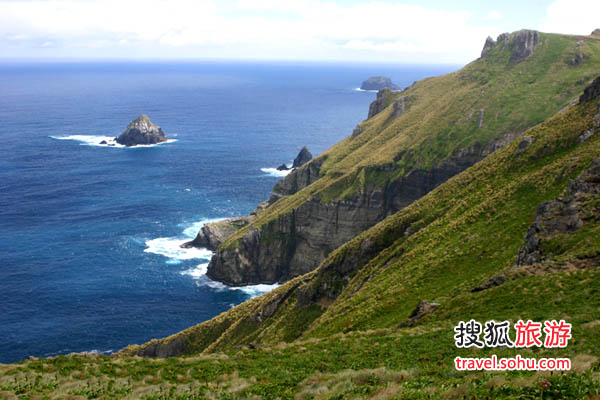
{"x":412,"y":142}
{"x":297,"y":242}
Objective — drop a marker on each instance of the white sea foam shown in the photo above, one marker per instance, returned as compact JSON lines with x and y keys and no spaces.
{"x":275,"y":172}
{"x":170,"y":247}
{"x":363,"y":90}
{"x":93,"y":140}
{"x":198,"y":273}
{"x":191,"y":230}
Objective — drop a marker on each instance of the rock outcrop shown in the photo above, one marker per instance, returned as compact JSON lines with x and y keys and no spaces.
{"x":591,"y":92}
{"x":378,"y":83}
{"x":422,"y":309}
{"x":297,"y":179}
{"x":565,"y":214}
{"x":141,"y":131}
{"x":213,"y":234}
{"x":302,"y":158}
{"x":381,"y":102}
{"x":400,"y":106}
{"x":488,"y":45}
{"x":577,"y":60}
{"x":524,"y":144}
{"x":522,"y":44}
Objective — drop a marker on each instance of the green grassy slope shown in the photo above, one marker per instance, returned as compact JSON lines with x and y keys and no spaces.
{"x":333,"y":332}
{"x":442,"y":119}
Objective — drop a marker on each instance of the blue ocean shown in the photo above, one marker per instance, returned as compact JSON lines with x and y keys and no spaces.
{"x":90,"y":234}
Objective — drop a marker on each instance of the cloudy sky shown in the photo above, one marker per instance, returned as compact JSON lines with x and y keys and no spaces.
{"x":404,"y":31}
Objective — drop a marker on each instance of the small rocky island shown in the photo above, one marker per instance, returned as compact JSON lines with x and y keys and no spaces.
{"x":141,"y":131}
{"x":378,"y":83}
{"x":302,"y":158}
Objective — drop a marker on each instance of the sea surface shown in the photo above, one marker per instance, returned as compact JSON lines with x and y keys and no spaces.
{"x":89,"y":234}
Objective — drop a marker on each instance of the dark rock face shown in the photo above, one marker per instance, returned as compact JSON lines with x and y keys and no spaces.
{"x":565,"y":214}
{"x":524,"y":144}
{"x":165,"y":348}
{"x":591,"y":92}
{"x":302,"y":158}
{"x":577,"y":60}
{"x":489,"y":44}
{"x":400,"y":106}
{"x":297,"y":242}
{"x":213,"y":234}
{"x":523,"y":44}
{"x":357,"y":130}
{"x":492,"y":282}
{"x":297,"y":179}
{"x":422,"y":309}
{"x":141,"y":131}
{"x":282,"y":167}
{"x":378,"y":83}
{"x":380,"y":103}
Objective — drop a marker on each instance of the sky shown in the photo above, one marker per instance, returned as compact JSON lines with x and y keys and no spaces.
{"x":372,"y":31}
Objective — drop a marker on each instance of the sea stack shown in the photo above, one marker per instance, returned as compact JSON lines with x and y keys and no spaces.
{"x":141,"y":131}
{"x":302,"y":158}
{"x":378,"y":83}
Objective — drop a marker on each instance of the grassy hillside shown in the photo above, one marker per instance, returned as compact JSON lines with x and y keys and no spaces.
{"x":490,"y":99}
{"x":334,"y":333}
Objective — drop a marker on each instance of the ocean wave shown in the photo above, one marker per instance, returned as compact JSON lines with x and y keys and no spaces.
{"x":191,"y":230}
{"x":170,"y":247}
{"x":363,"y":90}
{"x":93,"y":140}
{"x":275,"y":172}
{"x":198,"y":273}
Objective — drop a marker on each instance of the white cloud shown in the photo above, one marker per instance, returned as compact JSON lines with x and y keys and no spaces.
{"x":288,"y":29}
{"x":572,"y":16}
{"x":494,"y":15}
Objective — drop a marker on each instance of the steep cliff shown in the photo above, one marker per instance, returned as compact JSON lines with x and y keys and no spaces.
{"x":425,"y":264}
{"x":412,"y":142}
